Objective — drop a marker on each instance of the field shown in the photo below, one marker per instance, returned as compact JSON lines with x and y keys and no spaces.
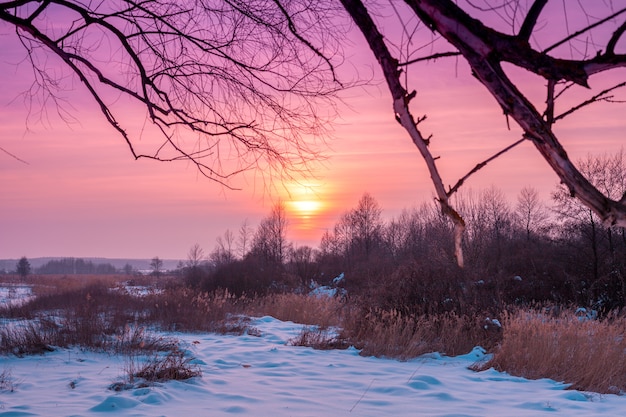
{"x":151,"y":347}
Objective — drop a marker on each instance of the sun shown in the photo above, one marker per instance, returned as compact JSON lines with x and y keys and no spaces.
{"x":305,"y":208}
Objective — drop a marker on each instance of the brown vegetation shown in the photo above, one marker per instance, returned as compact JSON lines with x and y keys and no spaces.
{"x":322,"y":311}
{"x":533,"y":343}
{"x":588,"y":354}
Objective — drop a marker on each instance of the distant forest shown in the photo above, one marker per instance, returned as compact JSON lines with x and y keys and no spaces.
{"x":75,"y":266}
{"x":522,"y":253}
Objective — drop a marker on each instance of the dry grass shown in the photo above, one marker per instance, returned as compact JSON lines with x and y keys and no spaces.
{"x":102,"y":318}
{"x":588,"y":354}
{"x":321,"y":311}
{"x":183,"y":309}
{"x":173,"y":365}
{"x":43,"y":285}
{"x":318,"y":338}
{"x":7,"y":382}
{"x":395,"y":335}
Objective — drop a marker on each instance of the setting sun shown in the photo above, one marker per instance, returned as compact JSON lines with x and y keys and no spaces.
{"x":308,"y":209}
{"x":305,"y":208}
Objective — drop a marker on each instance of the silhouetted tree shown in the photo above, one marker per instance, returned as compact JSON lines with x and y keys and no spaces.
{"x":224,"y":251}
{"x":193,"y":269}
{"x":530,"y":214}
{"x":471,"y":30}
{"x":245,"y":78}
{"x":270,"y":240}
{"x":303,"y":265}
{"x":244,"y":239}
{"x":601,"y":251}
{"x":23,"y":267}
{"x":156,"y":264}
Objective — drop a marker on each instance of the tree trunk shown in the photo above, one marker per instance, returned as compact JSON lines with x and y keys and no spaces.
{"x":401,"y":100}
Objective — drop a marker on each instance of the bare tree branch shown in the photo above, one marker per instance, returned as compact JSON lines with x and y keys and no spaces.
{"x":485,"y":50}
{"x":477,"y":45}
{"x":428,"y":58}
{"x":531,"y":19}
{"x":481,"y":165}
{"x":403,"y":115}
{"x":610,"y":47}
{"x":13,"y":156}
{"x":247,"y":77}
{"x":583,"y":30}
{"x":601,"y":96}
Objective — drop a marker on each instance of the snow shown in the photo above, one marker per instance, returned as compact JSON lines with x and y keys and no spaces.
{"x":14,"y":294}
{"x":263,"y":376}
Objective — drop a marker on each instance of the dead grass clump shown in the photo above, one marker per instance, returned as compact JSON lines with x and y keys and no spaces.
{"x":41,"y":336}
{"x":318,"y":338}
{"x":135,"y":339}
{"x":25,"y":338}
{"x":392,"y":334}
{"x":7,"y":382}
{"x":175,"y":365}
{"x":588,"y":354}
{"x":299,"y":308}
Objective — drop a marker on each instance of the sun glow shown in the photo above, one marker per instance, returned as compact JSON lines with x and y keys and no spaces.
{"x":307,"y":207}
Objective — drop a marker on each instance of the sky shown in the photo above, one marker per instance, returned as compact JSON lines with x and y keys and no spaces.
{"x":70,"y":186}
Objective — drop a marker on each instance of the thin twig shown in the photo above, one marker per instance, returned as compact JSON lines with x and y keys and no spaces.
{"x":595,"y":98}
{"x":13,"y":156}
{"x":481,"y":165}
{"x":363,"y":396}
{"x":583,"y":30}
{"x":429,"y":57}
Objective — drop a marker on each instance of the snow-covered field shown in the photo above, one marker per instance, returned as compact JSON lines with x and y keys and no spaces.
{"x":13,"y":294}
{"x":263,"y":376}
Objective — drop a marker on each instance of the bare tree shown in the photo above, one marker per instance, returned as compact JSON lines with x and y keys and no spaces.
{"x":302,"y":263}
{"x":228,"y":85}
{"x":224,"y":252}
{"x":270,"y":239}
{"x":530,"y":213}
{"x":367,"y":224}
{"x":454,"y":31}
{"x":195,"y":256}
{"x":244,"y":239}
{"x":607,"y":173}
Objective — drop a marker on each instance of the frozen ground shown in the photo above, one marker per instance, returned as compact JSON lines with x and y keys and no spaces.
{"x":262,"y":376}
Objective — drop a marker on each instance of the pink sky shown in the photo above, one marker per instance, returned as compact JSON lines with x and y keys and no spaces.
{"x":80,"y":192}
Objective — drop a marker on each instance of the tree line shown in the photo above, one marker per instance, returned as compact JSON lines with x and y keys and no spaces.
{"x":528,"y":251}
{"x":70,"y":266}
